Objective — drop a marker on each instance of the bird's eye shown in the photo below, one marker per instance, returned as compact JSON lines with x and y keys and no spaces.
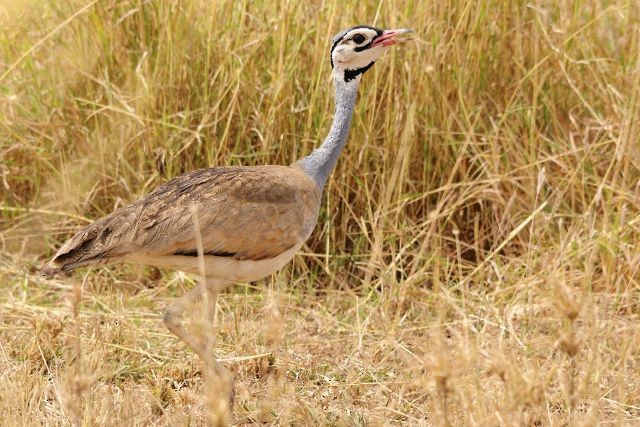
{"x":358,"y":38}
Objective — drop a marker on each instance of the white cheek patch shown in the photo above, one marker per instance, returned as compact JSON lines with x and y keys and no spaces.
{"x":364,"y":58}
{"x":342,"y":54}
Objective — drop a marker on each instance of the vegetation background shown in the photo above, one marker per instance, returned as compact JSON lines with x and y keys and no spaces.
{"x":476,"y":259}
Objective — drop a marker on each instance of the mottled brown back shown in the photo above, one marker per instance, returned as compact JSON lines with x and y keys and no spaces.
{"x":249,"y":213}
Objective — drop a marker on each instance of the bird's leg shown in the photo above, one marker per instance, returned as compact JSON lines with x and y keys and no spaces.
{"x":218,"y":380}
{"x":172,"y":319}
{"x":210,"y":301}
{"x":219,"y":388}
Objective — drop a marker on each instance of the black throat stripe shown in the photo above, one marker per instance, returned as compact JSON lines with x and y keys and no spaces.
{"x":352,"y":74}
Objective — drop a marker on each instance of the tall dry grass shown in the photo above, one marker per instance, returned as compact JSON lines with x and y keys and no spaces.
{"x":476,"y":256}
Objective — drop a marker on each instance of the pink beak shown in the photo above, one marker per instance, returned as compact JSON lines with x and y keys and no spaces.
{"x":389,"y":37}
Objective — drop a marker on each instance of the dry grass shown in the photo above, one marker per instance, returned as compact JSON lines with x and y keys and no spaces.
{"x":476,"y":259}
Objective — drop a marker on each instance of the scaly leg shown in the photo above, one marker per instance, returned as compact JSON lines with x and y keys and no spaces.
{"x":218,"y":380}
{"x":210,"y":301}
{"x":172,"y":319}
{"x":219,"y":387}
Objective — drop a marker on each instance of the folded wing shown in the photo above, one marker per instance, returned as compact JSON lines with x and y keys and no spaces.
{"x":249,"y":213}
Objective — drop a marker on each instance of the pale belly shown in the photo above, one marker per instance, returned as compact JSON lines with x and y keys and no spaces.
{"x":224,"y":269}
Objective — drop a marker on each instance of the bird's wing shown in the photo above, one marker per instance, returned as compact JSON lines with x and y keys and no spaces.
{"x":248,"y":213}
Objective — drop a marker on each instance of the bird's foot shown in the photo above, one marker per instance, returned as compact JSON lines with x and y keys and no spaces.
{"x":219,"y":394}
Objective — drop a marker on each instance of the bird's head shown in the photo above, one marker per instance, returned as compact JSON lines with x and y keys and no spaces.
{"x":356,"y":49}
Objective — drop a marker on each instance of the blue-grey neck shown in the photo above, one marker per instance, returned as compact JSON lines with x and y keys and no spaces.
{"x":319,"y":164}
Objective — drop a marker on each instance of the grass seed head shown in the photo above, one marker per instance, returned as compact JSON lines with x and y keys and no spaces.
{"x":568,"y":343}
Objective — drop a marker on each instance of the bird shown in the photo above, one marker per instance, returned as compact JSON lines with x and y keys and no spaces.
{"x":231,"y":224}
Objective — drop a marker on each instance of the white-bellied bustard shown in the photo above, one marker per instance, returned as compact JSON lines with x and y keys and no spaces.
{"x":230,"y":224}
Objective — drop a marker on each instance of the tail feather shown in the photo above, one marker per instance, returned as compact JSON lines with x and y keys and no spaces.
{"x":54,"y":267}
{"x":49,"y":269}
{"x":91,"y":245}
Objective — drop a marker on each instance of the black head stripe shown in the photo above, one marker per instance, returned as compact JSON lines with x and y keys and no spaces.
{"x":352,"y":74}
{"x":336,"y":40}
{"x":368,"y":45}
{"x":364,"y":47}
{"x":335,"y":43}
{"x":368,"y":27}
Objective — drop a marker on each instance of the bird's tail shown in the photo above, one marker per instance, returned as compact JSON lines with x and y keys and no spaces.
{"x":49,"y":269}
{"x":58,"y":265}
{"x":89,"y":246}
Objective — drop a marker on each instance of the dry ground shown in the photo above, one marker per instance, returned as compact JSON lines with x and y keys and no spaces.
{"x":476,"y":259}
